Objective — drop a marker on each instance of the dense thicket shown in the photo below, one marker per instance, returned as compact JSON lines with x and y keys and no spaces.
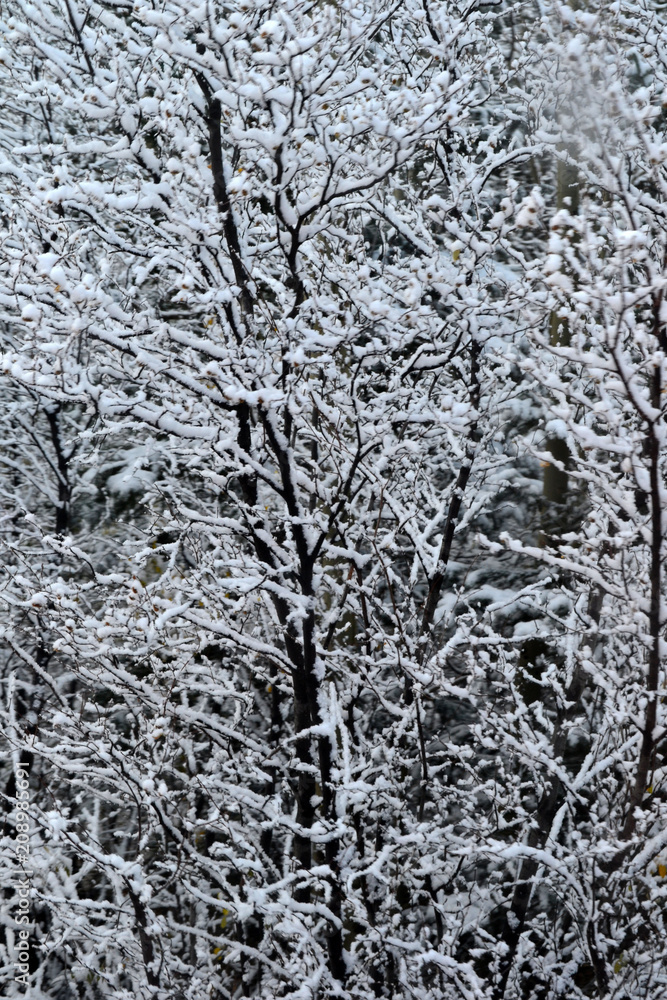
{"x":333,"y":498}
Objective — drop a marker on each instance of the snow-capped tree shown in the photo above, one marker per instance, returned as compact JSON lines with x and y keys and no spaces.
{"x":251,"y":263}
{"x":577,"y":710}
{"x":324,"y":691}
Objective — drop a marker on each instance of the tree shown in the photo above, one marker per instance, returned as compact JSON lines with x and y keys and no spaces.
{"x":583,"y":915}
{"x":326,"y":685}
{"x":251,"y":247}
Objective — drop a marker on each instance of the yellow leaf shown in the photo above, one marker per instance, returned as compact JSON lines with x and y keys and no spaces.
{"x":662,"y":870}
{"x":456,"y":255}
